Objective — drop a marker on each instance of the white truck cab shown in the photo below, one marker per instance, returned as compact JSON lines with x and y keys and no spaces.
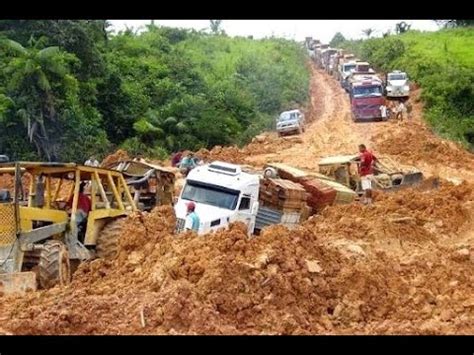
{"x":397,"y":84}
{"x":223,"y":193}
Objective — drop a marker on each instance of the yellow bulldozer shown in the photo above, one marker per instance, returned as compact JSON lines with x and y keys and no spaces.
{"x":388,"y":175}
{"x":42,"y":230}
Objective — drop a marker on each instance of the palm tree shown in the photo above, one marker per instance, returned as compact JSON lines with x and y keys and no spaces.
{"x":368,"y":32}
{"x":402,"y":27}
{"x":215,"y":26}
{"x":30,"y":73}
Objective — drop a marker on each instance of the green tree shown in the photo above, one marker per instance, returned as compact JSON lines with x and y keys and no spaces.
{"x":368,"y":32}
{"x":337,"y":40}
{"x":32,"y":71}
{"x":454,"y":23}
{"x":402,"y":27}
{"x":215,"y":26}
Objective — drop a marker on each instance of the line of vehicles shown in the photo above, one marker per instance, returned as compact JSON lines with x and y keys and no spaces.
{"x":368,"y":92}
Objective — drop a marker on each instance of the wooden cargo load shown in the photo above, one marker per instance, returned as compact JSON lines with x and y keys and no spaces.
{"x":320,"y":194}
{"x":282,"y":194}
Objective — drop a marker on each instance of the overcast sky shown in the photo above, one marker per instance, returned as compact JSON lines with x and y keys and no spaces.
{"x":293,"y":29}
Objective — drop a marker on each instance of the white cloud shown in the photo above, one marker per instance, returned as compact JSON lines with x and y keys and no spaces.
{"x":293,"y":29}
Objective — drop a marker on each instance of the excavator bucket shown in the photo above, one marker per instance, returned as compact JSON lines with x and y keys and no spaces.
{"x":17,"y":283}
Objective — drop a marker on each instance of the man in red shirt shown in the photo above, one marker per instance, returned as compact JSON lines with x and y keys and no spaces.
{"x":366,"y":172}
{"x":84,"y":206}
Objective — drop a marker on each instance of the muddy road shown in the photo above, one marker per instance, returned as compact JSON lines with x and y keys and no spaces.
{"x":332,"y":131}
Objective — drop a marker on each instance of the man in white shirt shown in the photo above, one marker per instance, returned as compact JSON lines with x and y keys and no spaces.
{"x":383,"y":112}
{"x":92,"y":162}
{"x":139,"y":158}
{"x":401,"y":110}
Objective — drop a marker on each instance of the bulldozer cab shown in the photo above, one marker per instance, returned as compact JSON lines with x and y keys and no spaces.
{"x":40,"y":209}
{"x":341,"y":168}
{"x":151,"y":185}
{"x":387,"y":174}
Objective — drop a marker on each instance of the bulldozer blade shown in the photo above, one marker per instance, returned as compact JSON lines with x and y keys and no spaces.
{"x":17,"y":283}
{"x":413,"y":178}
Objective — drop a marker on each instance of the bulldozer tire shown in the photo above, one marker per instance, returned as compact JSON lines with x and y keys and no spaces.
{"x":107,"y":242}
{"x":54,"y":267}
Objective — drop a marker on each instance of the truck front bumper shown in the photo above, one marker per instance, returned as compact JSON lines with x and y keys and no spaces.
{"x":286,"y":129}
{"x":398,"y":93}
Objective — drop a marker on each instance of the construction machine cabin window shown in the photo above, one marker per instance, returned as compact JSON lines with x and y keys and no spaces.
{"x":209,"y":194}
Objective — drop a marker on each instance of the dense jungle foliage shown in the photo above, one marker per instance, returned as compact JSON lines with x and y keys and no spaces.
{"x":70,"y":88}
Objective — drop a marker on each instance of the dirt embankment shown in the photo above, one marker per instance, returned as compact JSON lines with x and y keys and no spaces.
{"x":333,"y":275}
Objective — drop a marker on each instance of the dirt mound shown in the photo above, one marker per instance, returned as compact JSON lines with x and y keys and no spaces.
{"x":115,"y":157}
{"x":231,"y":154}
{"x":318,"y":278}
{"x":271,"y":143}
{"x":407,"y":216}
{"x":419,"y":143}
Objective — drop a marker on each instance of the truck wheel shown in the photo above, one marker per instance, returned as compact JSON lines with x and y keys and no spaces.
{"x":107,"y":241}
{"x":54,"y":267}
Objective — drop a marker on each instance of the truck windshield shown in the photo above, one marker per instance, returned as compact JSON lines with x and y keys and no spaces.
{"x":209,"y":194}
{"x":364,"y":91}
{"x":286,"y":116}
{"x":349,"y":67}
{"x":397,"y":77}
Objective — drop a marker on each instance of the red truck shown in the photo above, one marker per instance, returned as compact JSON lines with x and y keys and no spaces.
{"x":366,"y":96}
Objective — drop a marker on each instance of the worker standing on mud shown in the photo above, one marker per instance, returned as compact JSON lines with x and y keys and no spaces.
{"x":187,"y":164}
{"x":383,"y":112}
{"x":176,"y":159}
{"x":84,"y":205}
{"x":366,"y":171}
{"x":401,"y":110}
{"x":192,"y":219}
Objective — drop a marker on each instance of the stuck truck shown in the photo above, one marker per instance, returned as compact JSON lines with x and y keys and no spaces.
{"x":223,"y":193}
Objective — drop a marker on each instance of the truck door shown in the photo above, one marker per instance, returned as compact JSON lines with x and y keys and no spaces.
{"x":246,"y":212}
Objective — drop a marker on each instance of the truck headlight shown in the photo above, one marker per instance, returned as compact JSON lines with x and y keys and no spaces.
{"x":406,"y":88}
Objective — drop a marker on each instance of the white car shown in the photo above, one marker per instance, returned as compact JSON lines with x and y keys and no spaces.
{"x":290,"y":121}
{"x":397,"y":84}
